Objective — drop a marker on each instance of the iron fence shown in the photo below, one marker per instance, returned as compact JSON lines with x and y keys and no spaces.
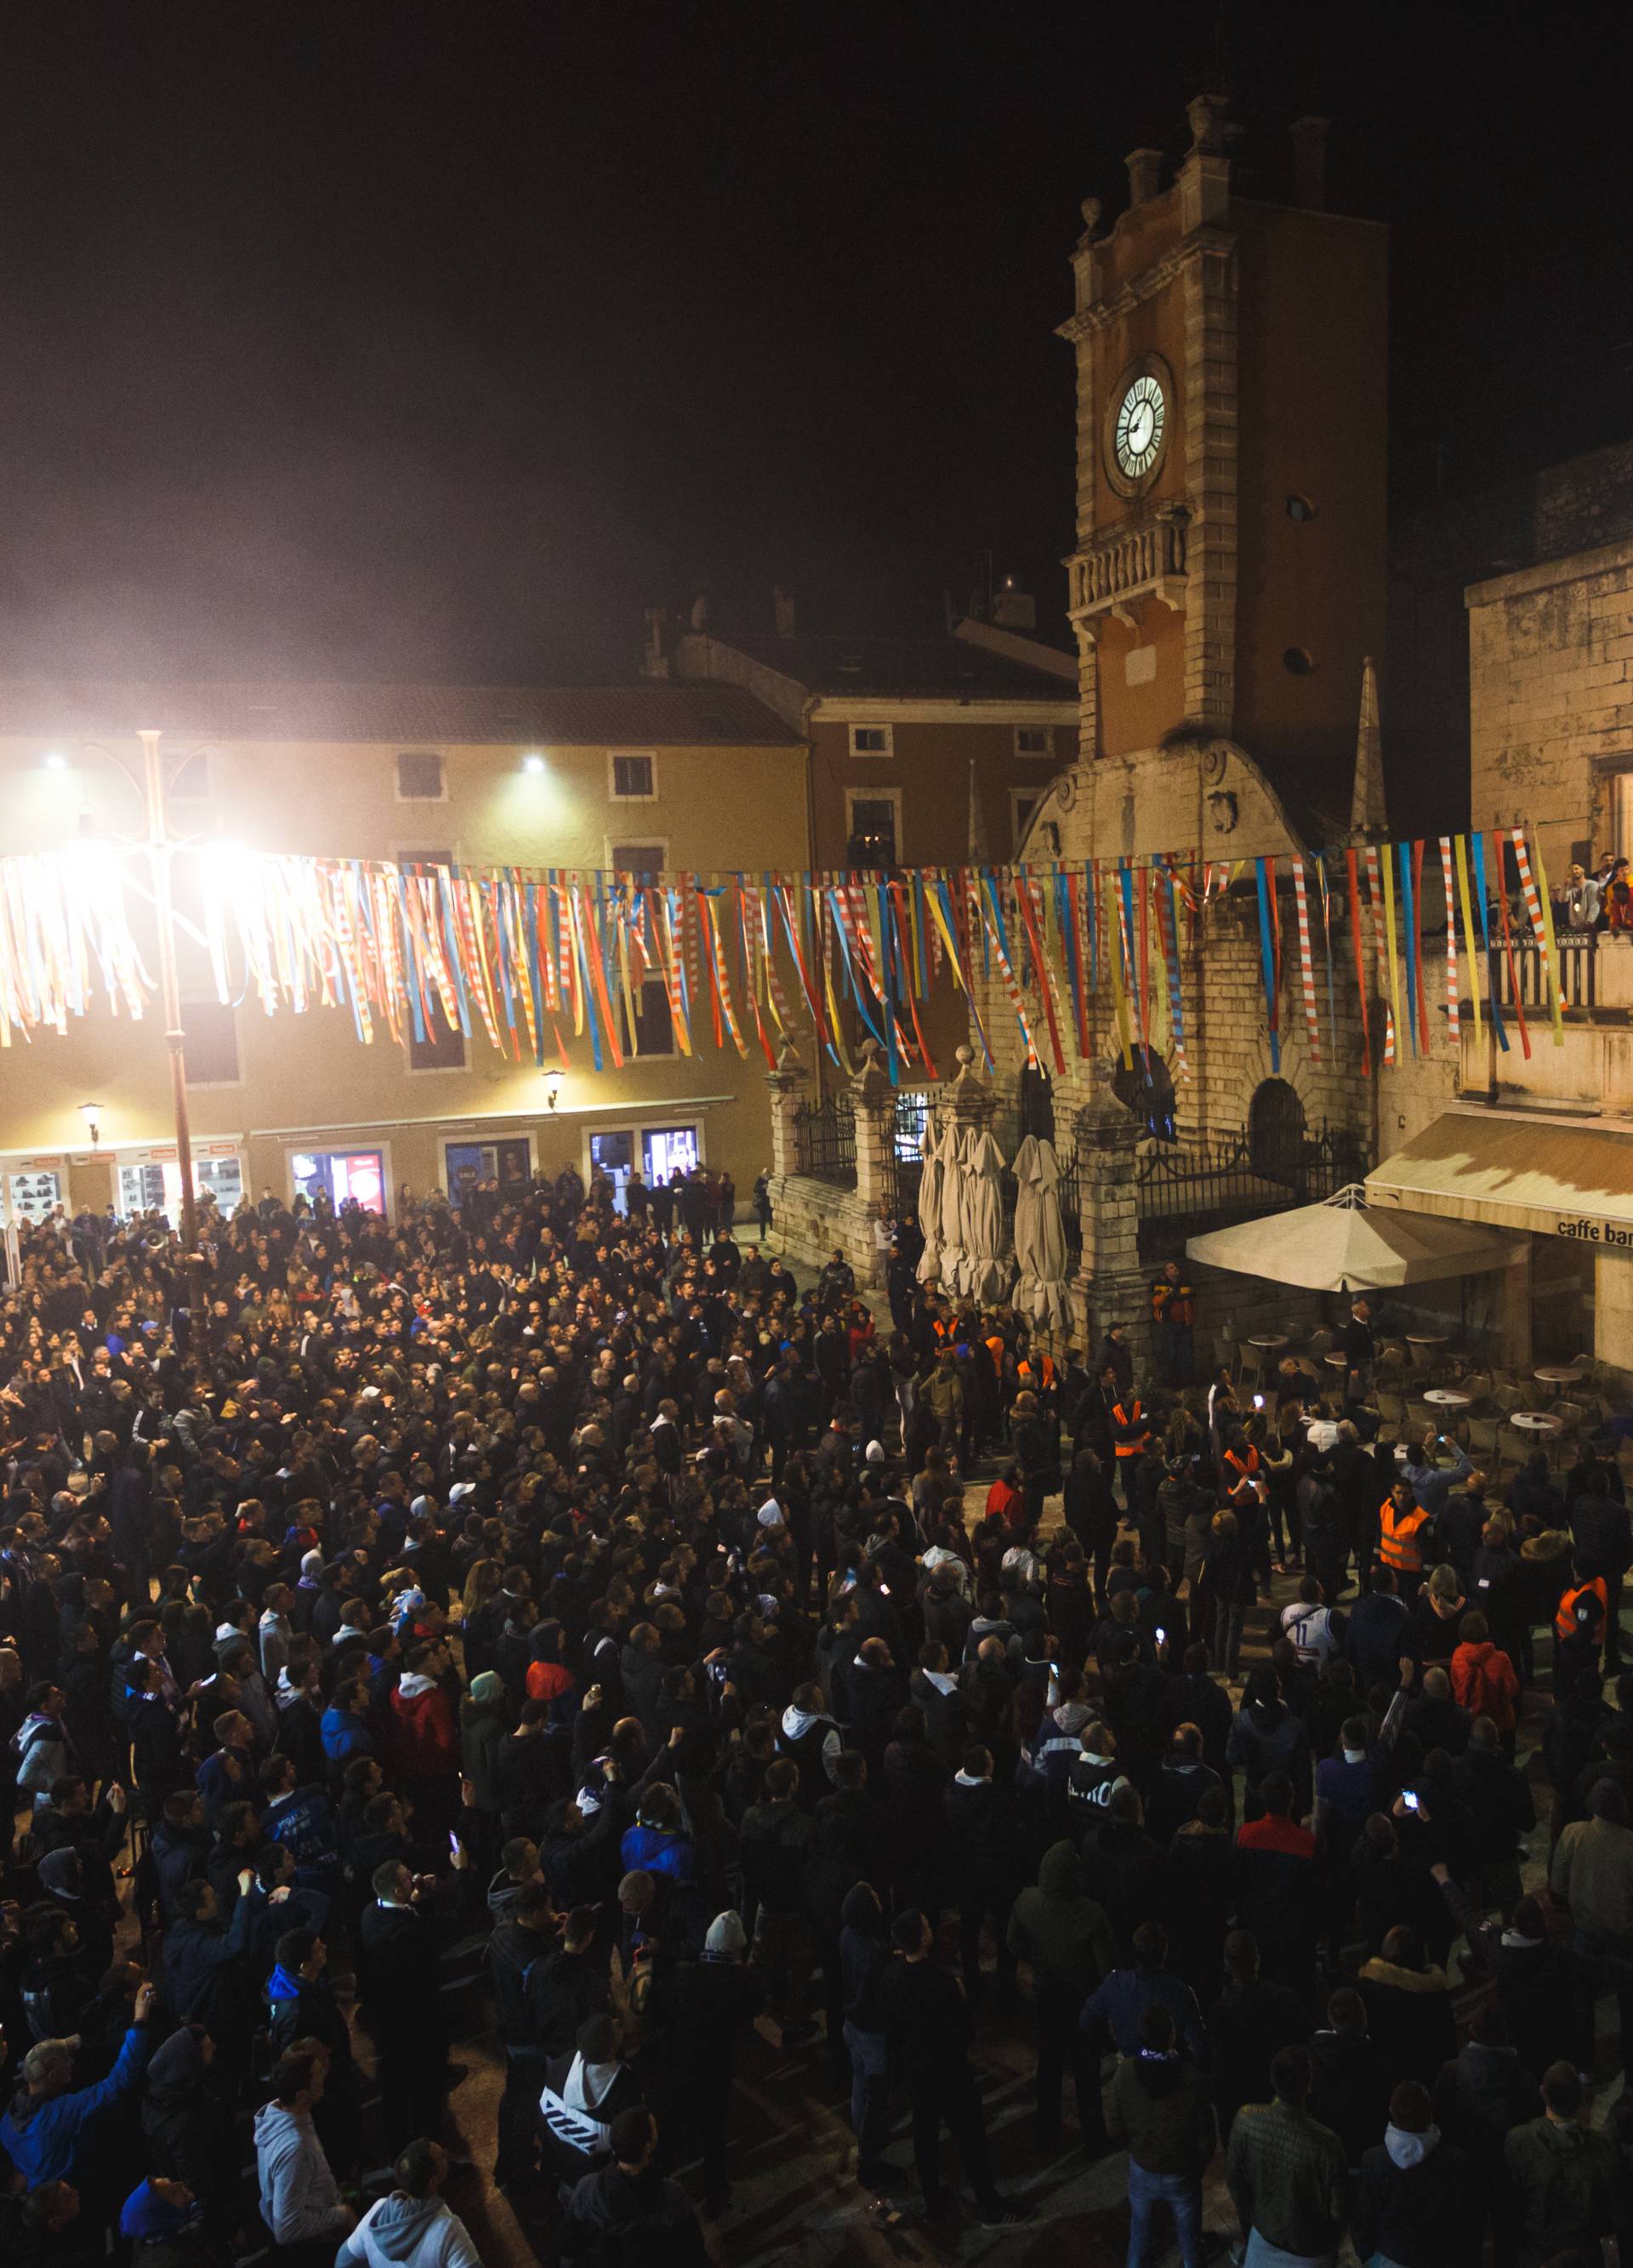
{"x":1186,"y":1187}
{"x":824,"y":1138}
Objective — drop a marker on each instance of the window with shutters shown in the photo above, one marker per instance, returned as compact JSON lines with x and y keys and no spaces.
{"x":634,"y":779}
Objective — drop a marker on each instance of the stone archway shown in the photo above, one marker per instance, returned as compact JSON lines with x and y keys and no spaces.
{"x":1276,"y":1130}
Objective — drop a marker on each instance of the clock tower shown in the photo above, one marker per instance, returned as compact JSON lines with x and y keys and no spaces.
{"x":1228,"y":584}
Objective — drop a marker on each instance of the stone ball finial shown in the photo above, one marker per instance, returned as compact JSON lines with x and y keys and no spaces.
{"x":1091,"y":209}
{"x":963,"y":1056}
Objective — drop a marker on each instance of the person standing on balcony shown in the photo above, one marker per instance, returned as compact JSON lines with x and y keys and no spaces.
{"x":1173,"y":1317}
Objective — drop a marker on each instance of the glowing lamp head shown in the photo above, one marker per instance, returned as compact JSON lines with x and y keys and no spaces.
{"x":54,"y":760}
{"x":552,"y":1088}
{"x":533,"y":762}
{"x":92,"y":1113}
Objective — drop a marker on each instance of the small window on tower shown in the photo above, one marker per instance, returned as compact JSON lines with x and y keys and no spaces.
{"x":1300,"y":507}
{"x":1297,"y":662}
{"x":1031,"y":741}
{"x":420,"y":777}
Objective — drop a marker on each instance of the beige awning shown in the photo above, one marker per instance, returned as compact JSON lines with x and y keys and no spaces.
{"x":1345,"y":1244}
{"x":1546,"y":1174}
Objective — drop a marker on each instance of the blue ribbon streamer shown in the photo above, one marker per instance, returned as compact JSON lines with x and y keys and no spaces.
{"x":1409,"y":923}
{"x":1267,"y":958}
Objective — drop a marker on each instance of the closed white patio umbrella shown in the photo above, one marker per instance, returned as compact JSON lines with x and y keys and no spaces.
{"x":1040,"y":1252}
{"x":985,"y":1273}
{"x":949,"y":1152}
{"x":930,"y":1202}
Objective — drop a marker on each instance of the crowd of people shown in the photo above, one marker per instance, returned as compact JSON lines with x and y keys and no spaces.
{"x":584,"y":1600}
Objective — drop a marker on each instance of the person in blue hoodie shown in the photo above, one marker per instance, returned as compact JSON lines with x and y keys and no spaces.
{"x":658,"y":1841}
{"x":40,"y":2134}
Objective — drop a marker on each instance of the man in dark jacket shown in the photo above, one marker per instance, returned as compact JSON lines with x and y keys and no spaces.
{"x":864,"y":1956}
{"x":1567,"y":2178}
{"x":1351,"y":2079}
{"x":399,"y":1972}
{"x":869,"y":1692}
{"x":928,"y":2027}
{"x":775,"y":1841}
{"x":1161,"y":2107}
{"x":1418,"y":2202}
{"x":715,"y":2000}
{"x":981,"y":1845}
{"x":517,"y":1947}
{"x":628,"y":2210}
{"x":1065,"y":1937}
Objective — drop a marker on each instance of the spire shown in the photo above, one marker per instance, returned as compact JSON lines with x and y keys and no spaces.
{"x":1367,"y":813}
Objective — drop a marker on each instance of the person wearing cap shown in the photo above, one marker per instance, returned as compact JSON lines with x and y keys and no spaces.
{"x":716,"y":1998}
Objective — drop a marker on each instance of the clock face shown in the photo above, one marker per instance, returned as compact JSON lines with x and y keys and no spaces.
{"x":1137,"y":435}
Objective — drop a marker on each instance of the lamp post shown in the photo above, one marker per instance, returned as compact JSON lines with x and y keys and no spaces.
{"x":158,"y":846}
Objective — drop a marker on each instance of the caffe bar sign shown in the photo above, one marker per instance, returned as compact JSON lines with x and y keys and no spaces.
{"x":1614,"y":1235}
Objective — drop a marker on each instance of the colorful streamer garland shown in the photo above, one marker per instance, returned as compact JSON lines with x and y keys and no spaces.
{"x":536,"y":960}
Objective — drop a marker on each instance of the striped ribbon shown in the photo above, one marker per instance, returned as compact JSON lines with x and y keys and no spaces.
{"x":1542,"y":928}
{"x":1306,"y":966}
{"x":1446,"y":870}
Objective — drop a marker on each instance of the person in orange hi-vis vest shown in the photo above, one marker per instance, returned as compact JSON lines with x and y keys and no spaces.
{"x":1579,"y":1622}
{"x":1403,"y":1538}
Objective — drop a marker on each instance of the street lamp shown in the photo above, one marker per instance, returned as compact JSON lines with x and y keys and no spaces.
{"x":92,"y":1113}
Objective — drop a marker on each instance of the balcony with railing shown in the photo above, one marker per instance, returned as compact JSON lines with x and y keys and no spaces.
{"x":1135,"y":560}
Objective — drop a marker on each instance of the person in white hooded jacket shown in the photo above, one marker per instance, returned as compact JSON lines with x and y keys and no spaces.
{"x":412,"y":2228}
{"x":301,"y":2200}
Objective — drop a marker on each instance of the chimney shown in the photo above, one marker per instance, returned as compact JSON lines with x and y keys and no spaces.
{"x":1145,"y":174}
{"x":782,"y":606}
{"x":1309,"y":139}
{"x":655,"y":661}
{"x":1012,"y":608}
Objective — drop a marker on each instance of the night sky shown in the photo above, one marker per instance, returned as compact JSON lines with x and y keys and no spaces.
{"x":439,"y":342}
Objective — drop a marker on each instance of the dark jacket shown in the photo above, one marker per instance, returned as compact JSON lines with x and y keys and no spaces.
{"x":1429,"y":2213}
{"x":1351,"y":2088}
{"x":1060,"y":1931}
{"x":864,"y":1956}
{"x":1161,"y":2107}
{"x":1567,"y":2188}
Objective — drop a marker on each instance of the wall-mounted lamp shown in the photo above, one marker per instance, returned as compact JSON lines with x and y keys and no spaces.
{"x":92,"y":1113}
{"x":552,"y":1088}
{"x":533,"y":763}
{"x":54,"y":763}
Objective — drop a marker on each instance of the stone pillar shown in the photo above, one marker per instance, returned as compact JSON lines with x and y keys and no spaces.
{"x":873,"y":1099}
{"x":787,"y":1084}
{"x":1613,"y":1309}
{"x":1110,"y":1285}
{"x":1514,"y":1310}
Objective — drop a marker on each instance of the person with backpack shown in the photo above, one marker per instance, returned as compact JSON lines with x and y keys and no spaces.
{"x":1484,"y":1681}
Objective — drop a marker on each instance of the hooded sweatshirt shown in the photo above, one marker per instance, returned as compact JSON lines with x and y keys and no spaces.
{"x":409,"y":2232}
{"x":1061,"y":1929}
{"x":1418,"y":2204}
{"x":299,"y":2195}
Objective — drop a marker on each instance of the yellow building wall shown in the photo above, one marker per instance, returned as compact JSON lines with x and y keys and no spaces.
{"x":309,"y":1075}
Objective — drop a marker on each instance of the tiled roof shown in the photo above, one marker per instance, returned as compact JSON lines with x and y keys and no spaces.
{"x":932,"y":668}
{"x":646,"y":714}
